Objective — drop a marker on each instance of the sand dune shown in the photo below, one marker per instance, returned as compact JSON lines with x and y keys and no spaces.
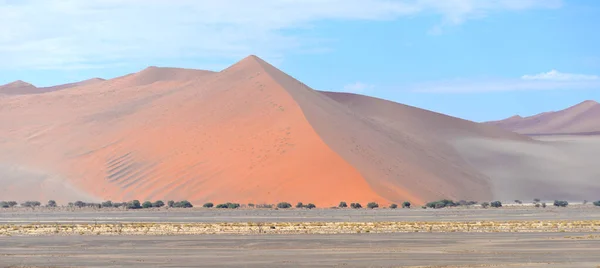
{"x":249,"y":133}
{"x":23,"y":88}
{"x":582,"y":118}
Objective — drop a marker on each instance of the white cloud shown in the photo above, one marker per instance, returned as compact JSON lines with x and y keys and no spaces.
{"x":357,"y":87}
{"x":558,"y":76}
{"x":57,"y":34}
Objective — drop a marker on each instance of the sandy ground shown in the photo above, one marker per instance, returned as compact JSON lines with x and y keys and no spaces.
{"x":352,"y":250}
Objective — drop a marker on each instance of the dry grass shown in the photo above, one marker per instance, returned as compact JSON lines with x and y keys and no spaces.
{"x":299,"y":228}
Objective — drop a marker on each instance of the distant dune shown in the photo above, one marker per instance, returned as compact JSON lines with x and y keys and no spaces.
{"x":249,"y":133}
{"x":583,"y":118}
{"x":23,"y":88}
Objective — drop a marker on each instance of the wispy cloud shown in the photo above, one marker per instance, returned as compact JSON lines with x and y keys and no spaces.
{"x":56,"y":34}
{"x":552,"y":80}
{"x":357,"y":87}
{"x":555,"y":75}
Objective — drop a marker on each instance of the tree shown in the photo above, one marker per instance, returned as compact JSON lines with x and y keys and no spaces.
{"x":51,"y":204}
{"x":597,"y":203}
{"x":299,"y":205}
{"x":536,"y":200}
{"x":485,"y":204}
{"x":372,"y":205}
{"x":343,"y":204}
{"x":135,"y":204}
{"x":171,"y":203}
{"x":310,"y":206}
{"x":158,"y":204}
{"x":518,"y":202}
{"x":228,"y":205}
{"x":12,"y":203}
{"x":496,"y":204}
{"x":183,"y":204}
{"x":147,"y":204}
{"x":560,"y":203}
{"x":355,"y":205}
{"x":393,"y":206}
{"x":441,"y":204}
{"x":107,"y":204}
{"x":284,"y":205}
{"x":4,"y":204}
{"x":30,"y":204}
{"x":79,"y":204}
{"x":544,"y":205}
{"x":406,"y":204}
{"x":251,"y":205}
{"x":208,"y":205}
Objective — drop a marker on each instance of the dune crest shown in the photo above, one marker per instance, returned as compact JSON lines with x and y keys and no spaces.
{"x":582,"y":118}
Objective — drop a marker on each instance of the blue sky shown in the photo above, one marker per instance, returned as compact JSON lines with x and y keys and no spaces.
{"x":474,"y":59}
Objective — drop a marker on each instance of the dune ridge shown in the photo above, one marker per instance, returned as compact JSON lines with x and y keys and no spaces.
{"x":581,"y":118}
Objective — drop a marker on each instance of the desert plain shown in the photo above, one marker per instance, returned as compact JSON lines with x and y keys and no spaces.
{"x":511,"y":236}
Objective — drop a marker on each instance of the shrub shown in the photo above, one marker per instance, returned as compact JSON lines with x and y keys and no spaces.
{"x":107,"y":204}
{"x":208,"y":205}
{"x":264,"y":206}
{"x":543,"y":205}
{"x":147,"y":204}
{"x":12,"y":203}
{"x":485,"y":205}
{"x":183,"y":204}
{"x":496,"y":204}
{"x":406,"y":204}
{"x":393,"y":206}
{"x":585,"y":202}
{"x":233,"y":205}
{"x":537,"y":205}
{"x":4,"y":204}
{"x":424,"y":207}
{"x":310,"y":206}
{"x":355,"y":205}
{"x":597,"y":203}
{"x":299,"y":205}
{"x":171,"y":203}
{"x":536,"y":200}
{"x":518,"y":202}
{"x":135,"y":204}
{"x":31,"y":204}
{"x":441,"y":204}
{"x":284,"y":205}
{"x":118,"y":205}
{"x":343,"y":204}
{"x":228,"y":205}
{"x":560,"y":203}
{"x":158,"y":204}
{"x":372,"y":205}
{"x":250,"y":205}
{"x":79,"y":204}
{"x":51,"y":204}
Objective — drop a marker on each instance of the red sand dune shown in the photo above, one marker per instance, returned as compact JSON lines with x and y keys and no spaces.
{"x":583,"y":118}
{"x":249,"y":133}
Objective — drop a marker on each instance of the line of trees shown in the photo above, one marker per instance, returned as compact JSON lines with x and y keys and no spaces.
{"x":136,"y":204}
